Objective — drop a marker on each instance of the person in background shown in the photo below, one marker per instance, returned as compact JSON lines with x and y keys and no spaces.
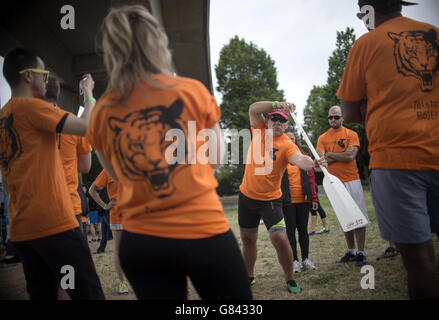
{"x":104,"y":180}
{"x":339,"y":146}
{"x":298,"y":197}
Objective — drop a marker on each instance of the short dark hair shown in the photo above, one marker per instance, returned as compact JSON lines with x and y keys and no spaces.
{"x":386,"y":6}
{"x":17,"y":60}
{"x":52,"y":89}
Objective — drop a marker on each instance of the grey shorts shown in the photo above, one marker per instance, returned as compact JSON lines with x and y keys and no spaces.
{"x":406,"y":204}
{"x":355,"y":189}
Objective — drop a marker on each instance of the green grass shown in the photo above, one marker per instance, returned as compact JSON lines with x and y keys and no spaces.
{"x":329,"y":281}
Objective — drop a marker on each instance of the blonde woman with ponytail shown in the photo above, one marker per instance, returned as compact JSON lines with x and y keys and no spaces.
{"x":144,"y":130}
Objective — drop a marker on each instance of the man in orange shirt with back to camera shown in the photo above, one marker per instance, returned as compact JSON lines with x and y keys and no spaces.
{"x":75,"y":151}
{"x":43,"y":227}
{"x":393,"y":73}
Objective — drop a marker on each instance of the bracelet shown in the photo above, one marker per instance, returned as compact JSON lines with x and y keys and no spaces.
{"x":105,"y":206}
{"x":273,"y":105}
{"x":90,"y":98}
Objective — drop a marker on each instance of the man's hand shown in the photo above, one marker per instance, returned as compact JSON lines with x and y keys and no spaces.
{"x":321,"y":162}
{"x":315,"y":205}
{"x":111,"y":204}
{"x":86,"y":85}
{"x":286,"y":107}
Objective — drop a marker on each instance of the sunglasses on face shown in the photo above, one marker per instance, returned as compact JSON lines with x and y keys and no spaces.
{"x":334,"y":117}
{"x":278,"y":119}
{"x":45,"y":73}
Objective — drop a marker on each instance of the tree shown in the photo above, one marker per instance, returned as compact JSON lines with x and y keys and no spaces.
{"x":321,"y":98}
{"x":245,"y":74}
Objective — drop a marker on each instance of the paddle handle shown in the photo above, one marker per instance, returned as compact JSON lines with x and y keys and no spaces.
{"x":308,"y":142}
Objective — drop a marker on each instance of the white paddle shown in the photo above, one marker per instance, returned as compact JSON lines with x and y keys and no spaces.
{"x":347,"y":211}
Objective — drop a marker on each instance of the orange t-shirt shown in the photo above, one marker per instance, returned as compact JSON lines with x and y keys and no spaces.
{"x":70,"y":147}
{"x":104,"y":180}
{"x":266,"y":186}
{"x":338,"y":141}
{"x":39,"y":202}
{"x":402,"y":120}
{"x":161,"y":197}
{"x":296,"y":189}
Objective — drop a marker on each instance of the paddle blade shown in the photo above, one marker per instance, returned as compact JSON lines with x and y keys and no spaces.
{"x":347,"y":211}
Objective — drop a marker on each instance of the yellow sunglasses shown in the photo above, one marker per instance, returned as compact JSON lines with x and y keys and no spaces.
{"x":44,"y":72}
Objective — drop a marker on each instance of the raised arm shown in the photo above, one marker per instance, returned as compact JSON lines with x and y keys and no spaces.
{"x":306,"y":163}
{"x":73,"y":124}
{"x":257,"y":110}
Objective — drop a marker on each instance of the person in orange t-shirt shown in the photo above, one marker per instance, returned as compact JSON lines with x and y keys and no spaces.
{"x":75,"y":153}
{"x":298,"y":197}
{"x":113,"y":189}
{"x":260,"y":192}
{"x":391,"y":83}
{"x":41,"y":213}
{"x":340,"y":145}
{"x":146,"y":131}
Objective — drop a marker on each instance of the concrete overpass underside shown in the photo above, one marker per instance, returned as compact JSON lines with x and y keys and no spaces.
{"x":71,"y":53}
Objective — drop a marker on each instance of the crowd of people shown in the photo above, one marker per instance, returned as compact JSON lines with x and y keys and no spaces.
{"x":165,"y":217}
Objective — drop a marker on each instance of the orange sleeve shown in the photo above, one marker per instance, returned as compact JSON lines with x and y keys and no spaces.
{"x":83,"y":146}
{"x":353,"y":139}
{"x":42,"y":115}
{"x":91,"y":134}
{"x":353,"y":83}
{"x":291,"y":149}
{"x":102,"y":180}
{"x":213,"y":112}
{"x":320,"y":146}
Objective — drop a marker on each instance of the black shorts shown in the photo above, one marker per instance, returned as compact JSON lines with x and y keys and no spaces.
{"x":251,"y":211}
{"x":44,"y":262}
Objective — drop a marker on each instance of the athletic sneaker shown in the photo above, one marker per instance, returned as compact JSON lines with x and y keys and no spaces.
{"x":251,"y":280}
{"x":323,"y":231}
{"x":123,"y":287}
{"x":347,"y":258}
{"x":293,"y":287}
{"x":361,"y":259}
{"x":308,"y":265}
{"x":389,"y":253}
{"x":312,"y":233}
{"x":297,"y":267}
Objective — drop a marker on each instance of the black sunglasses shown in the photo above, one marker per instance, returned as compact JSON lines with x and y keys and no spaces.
{"x":334,"y":117}
{"x":278,"y":118}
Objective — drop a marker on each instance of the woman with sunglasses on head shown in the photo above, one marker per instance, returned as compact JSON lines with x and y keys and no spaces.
{"x":174,"y":224}
{"x":260,"y":192}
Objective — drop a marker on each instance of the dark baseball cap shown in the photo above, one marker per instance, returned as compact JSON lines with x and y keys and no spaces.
{"x":385,"y":6}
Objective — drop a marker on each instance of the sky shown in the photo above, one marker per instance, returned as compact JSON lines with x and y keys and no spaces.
{"x":299,"y":36}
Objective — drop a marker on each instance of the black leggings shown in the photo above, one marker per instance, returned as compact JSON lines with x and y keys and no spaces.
{"x":321,"y":212}
{"x":296,"y":217}
{"x":157,"y":267}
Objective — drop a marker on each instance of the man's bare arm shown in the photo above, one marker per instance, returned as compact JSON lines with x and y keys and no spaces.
{"x":352,"y":111}
{"x":347,"y":156}
{"x":84,"y":162}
